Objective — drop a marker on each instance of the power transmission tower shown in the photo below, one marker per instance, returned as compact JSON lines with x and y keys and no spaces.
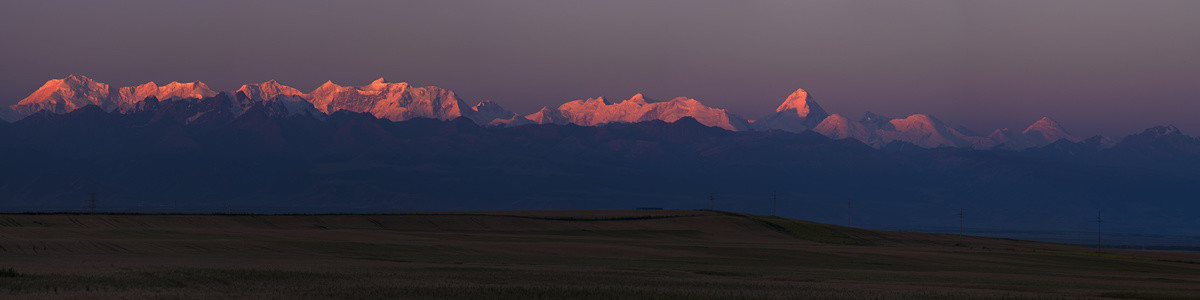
{"x":960,"y":221}
{"x":774,"y":202}
{"x":711,"y":202}
{"x":228,"y":207}
{"x":1099,"y":231}
{"x":92,"y":203}
{"x":849,"y":211}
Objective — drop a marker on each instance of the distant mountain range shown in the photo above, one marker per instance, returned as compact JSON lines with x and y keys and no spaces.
{"x":400,"y":101}
{"x":387,"y":147}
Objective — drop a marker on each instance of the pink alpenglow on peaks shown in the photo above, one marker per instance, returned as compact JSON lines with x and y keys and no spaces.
{"x":597,"y":111}
{"x":1046,"y":131}
{"x":838,"y":127}
{"x":799,"y":102}
{"x":190,"y":90}
{"x":129,"y":97}
{"x":921,"y":130}
{"x":400,"y":101}
{"x":64,"y":95}
{"x":76,"y":91}
{"x":392,"y":101}
{"x":269,"y":89}
{"x":798,"y":113}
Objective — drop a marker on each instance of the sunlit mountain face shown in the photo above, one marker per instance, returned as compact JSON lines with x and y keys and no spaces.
{"x":387,"y":146}
{"x":798,"y":112}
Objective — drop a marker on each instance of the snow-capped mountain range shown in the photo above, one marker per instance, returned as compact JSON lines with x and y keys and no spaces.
{"x":399,"y":101}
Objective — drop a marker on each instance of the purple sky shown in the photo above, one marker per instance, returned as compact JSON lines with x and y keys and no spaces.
{"x":1097,"y":66}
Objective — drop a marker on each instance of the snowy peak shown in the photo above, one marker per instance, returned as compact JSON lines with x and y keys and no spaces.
{"x":1164,"y":136}
{"x":268,"y":90}
{"x":1045,"y":123}
{"x":130,"y":95}
{"x":546,"y":115}
{"x":487,"y":105}
{"x":399,"y":101}
{"x":291,"y":105}
{"x":918,"y":129}
{"x":489,"y":113}
{"x":797,"y":113}
{"x":802,"y":104}
{"x":1158,"y":131}
{"x":596,"y":111}
{"x":1046,"y":131}
{"x":874,"y":121}
{"x":128,"y":98}
{"x":274,"y":99}
{"x":64,"y":95}
{"x":392,"y":101}
{"x":176,"y":90}
{"x":924,"y":131}
{"x":382,"y":84}
{"x":838,"y":127}
{"x":327,"y":86}
{"x":638,"y":98}
{"x":190,"y":90}
{"x":683,"y":107}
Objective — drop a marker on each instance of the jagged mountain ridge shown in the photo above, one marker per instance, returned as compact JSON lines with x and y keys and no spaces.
{"x":354,"y":161}
{"x":798,"y":112}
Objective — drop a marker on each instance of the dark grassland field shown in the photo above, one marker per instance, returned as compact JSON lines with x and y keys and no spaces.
{"x":681,"y":254}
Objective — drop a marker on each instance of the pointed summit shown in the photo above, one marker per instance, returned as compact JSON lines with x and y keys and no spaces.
{"x":377,"y":84}
{"x":547,"y":115}
{"x":802,"y":104}
{"x":1044,"y":122}
{"x":797,"y":113}
{"x":1046,"y":131}
{"x":487,"y":112}
{"x":638,"y":98}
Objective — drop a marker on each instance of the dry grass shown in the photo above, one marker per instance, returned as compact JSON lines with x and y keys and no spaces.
{"x":552,"y":254}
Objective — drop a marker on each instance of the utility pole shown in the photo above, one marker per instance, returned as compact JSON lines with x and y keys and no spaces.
{"x":711,"y":202}
{"x":92,"y":203}
{"x":1098,"y":231}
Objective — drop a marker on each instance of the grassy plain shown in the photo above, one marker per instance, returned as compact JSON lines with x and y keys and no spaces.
{"x":668,"y":254}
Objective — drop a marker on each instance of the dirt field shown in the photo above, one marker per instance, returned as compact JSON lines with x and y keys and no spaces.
{"x":551,"y":254}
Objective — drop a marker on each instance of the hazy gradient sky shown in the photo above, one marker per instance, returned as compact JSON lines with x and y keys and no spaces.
{"x":1098,"y":67}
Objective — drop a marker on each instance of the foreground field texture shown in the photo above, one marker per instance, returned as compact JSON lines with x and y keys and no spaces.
{"x":552,"y":254}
